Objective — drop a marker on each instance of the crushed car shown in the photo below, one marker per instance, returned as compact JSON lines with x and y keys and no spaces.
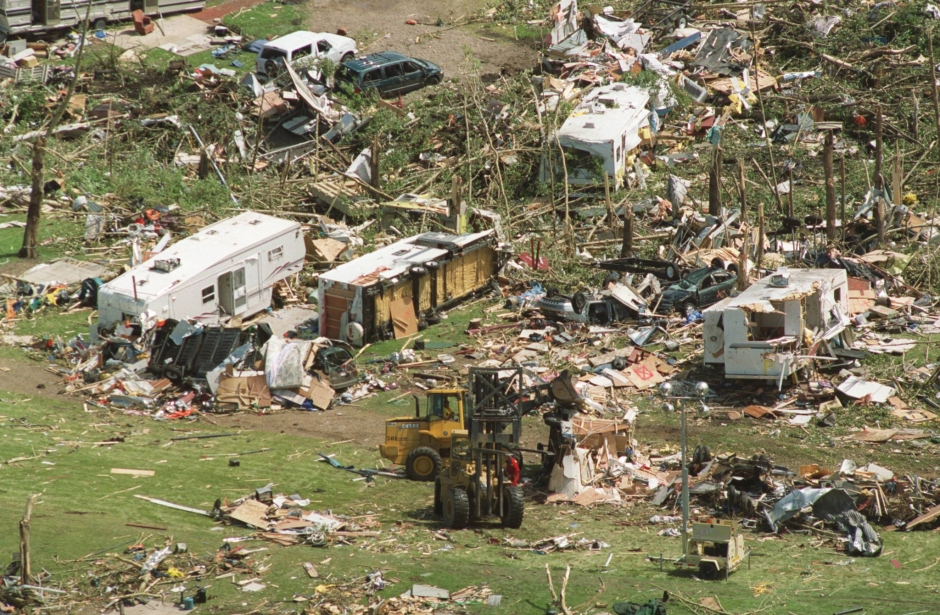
{"x":617,"y":303}
{"x":699,"y":289}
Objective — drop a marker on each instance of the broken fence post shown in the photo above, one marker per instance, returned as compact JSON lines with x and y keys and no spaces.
{"x":25,"y":563}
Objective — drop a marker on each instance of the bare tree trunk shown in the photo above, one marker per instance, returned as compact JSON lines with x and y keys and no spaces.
{"x":34,"y":212}
{"x":714,"y":185}
{"x":830,"y":188}
{"x":879,"y":177}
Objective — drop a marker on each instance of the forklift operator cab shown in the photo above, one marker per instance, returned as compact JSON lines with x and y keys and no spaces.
{"x":443,"y":406}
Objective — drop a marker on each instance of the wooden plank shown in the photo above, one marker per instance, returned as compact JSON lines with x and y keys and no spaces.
{"x":135,"y":473}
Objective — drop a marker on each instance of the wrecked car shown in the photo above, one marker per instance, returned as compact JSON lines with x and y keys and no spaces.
{"x":336,"y":362}
{"x":618,"y":303}
{"x":388,"y":73}
{"x":302,"y":44}
{"x":700,"y":288}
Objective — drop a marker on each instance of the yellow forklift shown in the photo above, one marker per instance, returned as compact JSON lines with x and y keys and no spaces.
{"x":473,"y":484}
{"x":421,"y":442}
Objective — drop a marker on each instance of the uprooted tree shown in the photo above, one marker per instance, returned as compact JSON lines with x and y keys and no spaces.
{"x":34,"y":212}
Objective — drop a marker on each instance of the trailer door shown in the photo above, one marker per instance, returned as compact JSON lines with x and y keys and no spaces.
{"x":233,"y":292}
{"x":48,"y":11}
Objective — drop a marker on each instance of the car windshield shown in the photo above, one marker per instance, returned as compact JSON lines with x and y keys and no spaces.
{"x":692,"y":280}
{"x":335,"y":357}
{"x":270,"y":53}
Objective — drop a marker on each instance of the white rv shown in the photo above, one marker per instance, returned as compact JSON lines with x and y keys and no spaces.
{"x":224,"y":270}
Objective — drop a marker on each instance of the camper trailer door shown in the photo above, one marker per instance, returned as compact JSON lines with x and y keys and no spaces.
{"x":233,"y":293}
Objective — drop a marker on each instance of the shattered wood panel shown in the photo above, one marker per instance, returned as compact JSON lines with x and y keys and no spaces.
{"x":383,"y":301}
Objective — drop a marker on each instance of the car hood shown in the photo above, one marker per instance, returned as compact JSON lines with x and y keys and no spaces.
{"x":339,"y":41}
{"x":430,"y":65}
{"x":672,"y":296}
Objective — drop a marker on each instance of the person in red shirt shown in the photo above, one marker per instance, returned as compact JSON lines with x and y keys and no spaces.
{"x":513,"y":472}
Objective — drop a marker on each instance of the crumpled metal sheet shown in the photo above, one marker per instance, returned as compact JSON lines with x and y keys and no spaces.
{"x":833,"y":506}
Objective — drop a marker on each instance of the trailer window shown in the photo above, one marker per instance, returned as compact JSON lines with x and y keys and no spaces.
{"x":208,"y":294}
{"x":276,"y":253}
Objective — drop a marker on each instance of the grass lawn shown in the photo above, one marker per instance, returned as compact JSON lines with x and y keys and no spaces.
{"x":83,"y":510}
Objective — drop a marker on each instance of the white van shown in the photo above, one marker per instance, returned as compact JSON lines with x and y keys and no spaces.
{"x":302,"y":44}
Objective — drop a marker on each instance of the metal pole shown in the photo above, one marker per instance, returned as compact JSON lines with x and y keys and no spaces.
{"x":685,"y":483}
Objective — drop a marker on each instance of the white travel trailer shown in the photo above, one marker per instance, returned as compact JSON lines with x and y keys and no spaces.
{"x":778,"y":324}
{"x":224,"y":270}
{"x":37,"y":16}
{"x":601,"y":135}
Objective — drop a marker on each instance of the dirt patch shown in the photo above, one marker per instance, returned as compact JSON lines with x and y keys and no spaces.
{"x":344,"y":423}
{"x":27,"y":377}
{"x":14,"y":266}
{"x":449,"y":48}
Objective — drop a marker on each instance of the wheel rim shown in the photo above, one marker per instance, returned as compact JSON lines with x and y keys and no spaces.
{"x":424,"y":466}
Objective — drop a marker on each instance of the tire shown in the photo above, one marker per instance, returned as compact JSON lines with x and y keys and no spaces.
{"x":707,"y":571}
{"x":433,"y":80}
{"x":100,"y":24}
{"x":346,"y":58}
{"x":672,"y":273}
{"x":423,"y":464}
{"x":579,"y":302}
{"x":611,"y":279}
{"x":513,"y":507}
{"x":456,"y":509}
{"x":686,"y":309}
{"x":438,"y":504}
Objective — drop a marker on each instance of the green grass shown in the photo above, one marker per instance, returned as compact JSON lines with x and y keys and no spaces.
{"x":56,"y":237}
{"x":82,"y":500}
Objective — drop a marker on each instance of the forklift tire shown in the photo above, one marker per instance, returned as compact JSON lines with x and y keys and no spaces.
{"x":457,"y":509}
{"x":438,"y":504}
{"x":513,"y":507}
{"x":423,"y":463}
{"x":707,"y":571}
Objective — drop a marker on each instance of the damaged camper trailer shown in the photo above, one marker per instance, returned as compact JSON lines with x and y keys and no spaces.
{"x":774,"y":328}
{"x":600,"y":136}
{"x":386,"y":292}
{"x":224,"y":270}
